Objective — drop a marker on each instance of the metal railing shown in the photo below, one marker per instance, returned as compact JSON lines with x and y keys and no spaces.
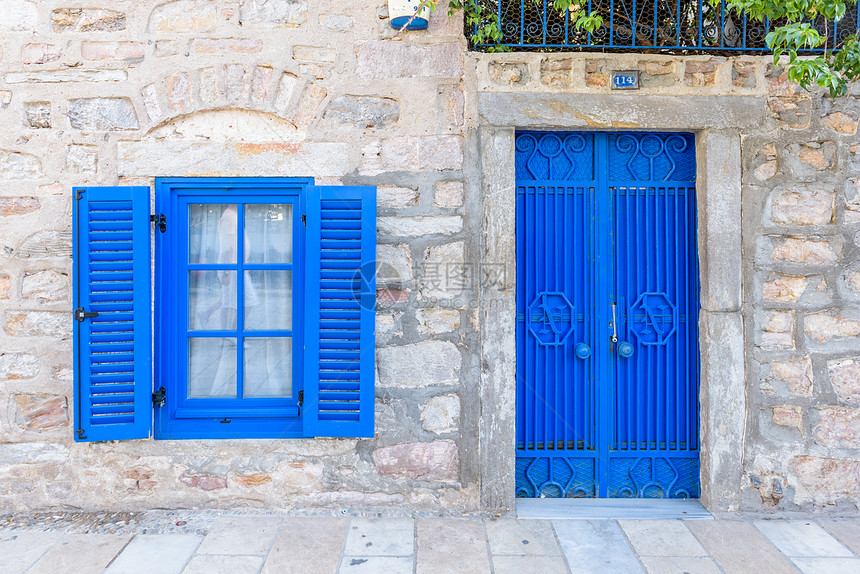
{"x":688,"y":26}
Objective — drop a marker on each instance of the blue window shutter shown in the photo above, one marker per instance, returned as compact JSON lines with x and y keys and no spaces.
{"x":112,"y":351}
{"x":340,"y":302}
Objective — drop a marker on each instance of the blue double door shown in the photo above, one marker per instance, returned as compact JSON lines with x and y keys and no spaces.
{"x":607,"y":312}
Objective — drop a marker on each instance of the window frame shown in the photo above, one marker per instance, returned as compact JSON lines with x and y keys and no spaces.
{"x":185,"y":418}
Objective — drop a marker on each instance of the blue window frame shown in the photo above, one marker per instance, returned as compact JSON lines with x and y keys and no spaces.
{"x":207,"y":330}
{"x":263,"y":312}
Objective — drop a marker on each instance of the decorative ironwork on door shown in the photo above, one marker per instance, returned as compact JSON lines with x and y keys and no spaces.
{"x":607,"y":307}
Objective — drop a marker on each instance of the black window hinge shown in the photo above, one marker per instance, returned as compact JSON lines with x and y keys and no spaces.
{"x":80,"y":314}
{"x":160,"y":220}
{"x":78,"y":195}
{"x":301,"y":398}
{"x":82,"y":434}
{"x":304,"y":219}
{"x":159,"y":398}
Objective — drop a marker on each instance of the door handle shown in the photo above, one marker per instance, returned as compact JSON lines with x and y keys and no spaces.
{"x":582,"y":350}
{"x":625,"y":349}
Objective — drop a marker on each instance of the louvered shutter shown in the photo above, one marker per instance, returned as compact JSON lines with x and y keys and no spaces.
{"x":112,"y":351}
{"x":340,"y":302}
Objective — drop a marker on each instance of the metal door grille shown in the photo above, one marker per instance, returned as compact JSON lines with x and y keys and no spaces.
{"x":603,"y":221}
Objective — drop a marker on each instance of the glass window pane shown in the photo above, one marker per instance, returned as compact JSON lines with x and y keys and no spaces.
{"x":212,"y":233}
{"x":269,"y":233}
{"x":268,"y":300}
{"x":268,"y":367}
{"x":212,"y":300}
{"x":211,"y":367}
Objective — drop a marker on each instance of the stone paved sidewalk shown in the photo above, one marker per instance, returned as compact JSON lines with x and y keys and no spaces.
{"x":251,"y":544}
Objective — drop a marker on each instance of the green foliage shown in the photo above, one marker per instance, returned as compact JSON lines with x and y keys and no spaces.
{"x":835,"y":68}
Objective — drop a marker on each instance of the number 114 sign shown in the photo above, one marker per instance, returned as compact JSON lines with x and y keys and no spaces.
{"x":625,"y":80}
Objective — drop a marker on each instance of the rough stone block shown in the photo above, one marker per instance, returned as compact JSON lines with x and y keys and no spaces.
{"x":845,"y":378}
{"x":777,"y":330}
{"x":17,"y":165}
{"x":449,"y":194}
{"x":40,"y":53}
{"x":556,"y":73}
{"x":204,"y":482}
{"x":261,"y":84}
{"x":441,"y":414}
{"x":82,"y":159}
{"x":391,"y":197}
{"x":827,"y":325}
{"x":840,"y":122}
{"x":419,"y":365}
{"x":18,"y":206}
{"x":18,"y":366}
{"x":766,"y":163}
{"x":700,"y":73}
{"x":315,"y":54}
{"x":286,"y":90}
{"x":419,"y":225}
{"x":227,"y":46}
{"x":63,"y":76}
{"x":178,"y":93}
{"x":103,"y":114}
{"x":128,"y":51}
{"x":743,"y":74}
{"x":438,"y":320}
{"x":818,"y":155}
{"x":252,"y":480}
{"x":5,"y":286}
{"x":18,"y":16}
{"x":509,"y":73}
{"x":273,"y":13}
{"x":38,"y":114}
{"x":456,"y":107}
{"x":87,"y":20}
{"x":802,"y":206}
{"x":39,"y":324}
{"x":184,"y":16}
{"x":827,"y":480}
{"x":33,"y":453}
{"x":852,"y":200}
{"x":445,"y":274}
{"x":430,"y":461}
{"x":310,"y":106}
{"x":336,"y":22}
{"x":45,"y":286}
{"x":165,"y":48}
{"x":40,"y":412}
{"x":5,"y":98}
{"x":149,"y":95}
{"x":46,"y":245}
{"x":393,"y":265}
{"x":838,"y":427}
{"x":379,"y":59}
{"x":788,"y":416}
{"x":793,"y":112}
{"x":784,"y":288}
{"x":364,"y":111}
{"x":794,"y":374}
{"x":804,"y":250}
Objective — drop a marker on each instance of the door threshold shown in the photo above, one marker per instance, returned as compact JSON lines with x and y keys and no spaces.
{"x":610,"y":509}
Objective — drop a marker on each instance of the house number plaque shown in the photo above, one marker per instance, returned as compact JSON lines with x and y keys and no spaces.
{"x":625,"y":80}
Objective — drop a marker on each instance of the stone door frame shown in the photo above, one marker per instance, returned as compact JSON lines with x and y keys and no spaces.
{"x":717,"y":122}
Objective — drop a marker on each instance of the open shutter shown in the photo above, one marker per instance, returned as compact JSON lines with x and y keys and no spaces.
{"x":112,"y":319}
{"x":340,"y":303}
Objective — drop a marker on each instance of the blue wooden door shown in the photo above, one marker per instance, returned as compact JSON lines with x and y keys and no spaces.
{"x":607,"y":312}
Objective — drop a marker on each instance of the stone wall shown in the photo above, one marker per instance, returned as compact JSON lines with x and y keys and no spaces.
{"x":108,"y":93}
{"x":97,"y":93}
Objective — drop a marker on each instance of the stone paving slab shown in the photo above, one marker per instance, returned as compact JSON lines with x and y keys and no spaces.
{"x":739,"y":548}
{"x":679,"y":565}
{"x":377,"y":565}
{"x":529,"y":564}
{"x":661,"y":538}
{"x":380,"y":537}
{"x":162,"y":553}
{"x":240,"y":536}
{"x":81,"y":554}
{"x":801,"y":538}
{"x":595,"y":546}
{"x":212,"y":563}
{"x":451,"y":545}
{"x":522,"y":537}
{"x":307,"y":546}
{"x":20,"y":550}
{"x":828,"y":565}
{"x":846,"y":531}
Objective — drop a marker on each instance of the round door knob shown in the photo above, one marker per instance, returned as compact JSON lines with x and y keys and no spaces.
{"x":582,"y":351}
{"x":625,"y":350}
